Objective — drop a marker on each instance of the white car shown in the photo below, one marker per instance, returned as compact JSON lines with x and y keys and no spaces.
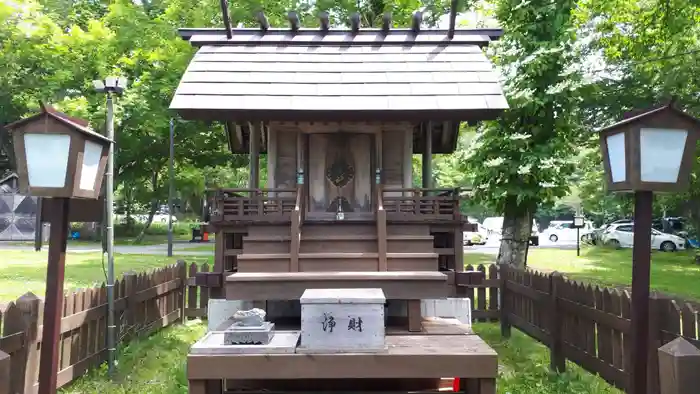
{"x":494,"y":229}
{"x":475,"y":237}
{"x":622,"y":235}
{"x":566,"y":232}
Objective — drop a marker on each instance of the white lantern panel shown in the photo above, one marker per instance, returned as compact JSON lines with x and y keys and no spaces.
{"x":91,"y":163}
{"x":616,"y":157}
{"x":47,"y":159}
{"x":661,"y":153}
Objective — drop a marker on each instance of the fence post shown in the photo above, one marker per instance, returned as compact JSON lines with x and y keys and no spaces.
{"x":656,"y":316}
{"x":182,"y":274}
{"x":30,"y":306}
{"x":503,"y":278}
{"x":679,"y":363}
{"x":129,"y":279}
{"x":4,"y":373}
{"x":556,"y":358}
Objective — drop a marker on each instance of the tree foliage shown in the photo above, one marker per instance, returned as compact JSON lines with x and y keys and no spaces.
{"x":523,"y":159}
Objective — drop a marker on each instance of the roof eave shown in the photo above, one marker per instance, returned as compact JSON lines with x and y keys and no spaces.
{"x":263,"y":115}
{"x":187,"y":32}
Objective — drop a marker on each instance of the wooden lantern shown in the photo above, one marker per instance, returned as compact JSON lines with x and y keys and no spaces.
{"x":652,"y":151}
{"x":58,"y":156}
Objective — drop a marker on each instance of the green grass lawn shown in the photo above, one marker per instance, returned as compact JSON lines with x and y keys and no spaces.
{"x":23,"y":271}
{"x":673,"y":273}
{"x":524,"y":367}
{"x":152,"y":365}
{"x":156,"y":365}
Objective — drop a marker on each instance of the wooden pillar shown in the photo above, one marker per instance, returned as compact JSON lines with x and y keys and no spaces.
{"x":408,"y":159}
{"x":271,"y":158}
{"x":255,"y":130}
{"x":415,"y":319}
{"x":428,"y":155}
{"x":219,"y":264}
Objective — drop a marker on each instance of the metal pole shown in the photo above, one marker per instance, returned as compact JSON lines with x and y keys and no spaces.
{"x":171,"y":191}
{"x":578,"y":242}
{"x":53,"y":306}
{"x":109,"y":197}
{"x":641,"y":271}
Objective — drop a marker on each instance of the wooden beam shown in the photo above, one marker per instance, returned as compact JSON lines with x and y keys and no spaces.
{"x":254,"y":141}
{"x":453,"y":18}
{"x":325,"y":22}
{"x":239,"y":133}
{"x":416,"y":20}
{"x":262,"y":21}
{"x":355,"y":22}
{"x":446,"y":132}
{"x":227,"y":18}
{"x":293,"y":18}
{"x":386,"y":22}
{"x":428,"y":155}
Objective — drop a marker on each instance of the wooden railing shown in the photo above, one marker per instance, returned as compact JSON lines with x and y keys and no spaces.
{"x":407,"y":204}
{"x":381,"y":230}
{"x":295,"y":231}
{"x":254,"y":205}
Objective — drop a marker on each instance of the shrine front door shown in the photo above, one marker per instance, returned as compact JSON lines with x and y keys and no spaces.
{"x":340,"y":167}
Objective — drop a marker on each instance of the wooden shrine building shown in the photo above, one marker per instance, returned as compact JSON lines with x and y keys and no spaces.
{"x":339,"y":114}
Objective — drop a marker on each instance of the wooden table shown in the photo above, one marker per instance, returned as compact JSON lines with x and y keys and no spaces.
{"x":437,"y":353}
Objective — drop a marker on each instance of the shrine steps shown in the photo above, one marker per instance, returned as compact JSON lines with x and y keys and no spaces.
{"x":326,"y":247}
{"x":400,"y":285}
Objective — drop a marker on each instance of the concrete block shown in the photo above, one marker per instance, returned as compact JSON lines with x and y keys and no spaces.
{"x":246,"y":335}
{"x":283,"y":342}
{"x":220,"y":310}
{"x":459,"y":308}
{"x":342,"y":320}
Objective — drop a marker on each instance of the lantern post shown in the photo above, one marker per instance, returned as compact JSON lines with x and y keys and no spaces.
{"x":650,"y":152}
{"x":60,"y":159}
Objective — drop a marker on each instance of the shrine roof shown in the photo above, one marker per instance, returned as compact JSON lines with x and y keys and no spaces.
{"x":368,"y":74}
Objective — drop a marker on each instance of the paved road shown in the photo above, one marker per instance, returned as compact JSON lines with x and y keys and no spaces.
{"x":492,"y":247}
{"x":180,"y":249}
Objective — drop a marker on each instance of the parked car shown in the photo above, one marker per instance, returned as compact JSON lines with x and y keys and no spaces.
{"x":566,"y":232}
{"x":494,"y":228}
{"x":475,"y":237}
{"x":622,"y":235}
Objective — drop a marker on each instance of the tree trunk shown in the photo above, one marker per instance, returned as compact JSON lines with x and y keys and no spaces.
{"x":155,"y":203}
{"x":515,"y":241}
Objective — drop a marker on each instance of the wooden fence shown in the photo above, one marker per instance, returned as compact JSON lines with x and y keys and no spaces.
{"x":144,"y":303}
{"x":590,"y":325}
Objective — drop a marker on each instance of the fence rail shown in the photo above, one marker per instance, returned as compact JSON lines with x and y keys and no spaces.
{"x":587,"y":325}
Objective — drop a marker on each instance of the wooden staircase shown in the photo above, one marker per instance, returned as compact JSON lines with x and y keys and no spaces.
{"x":338,"y":247}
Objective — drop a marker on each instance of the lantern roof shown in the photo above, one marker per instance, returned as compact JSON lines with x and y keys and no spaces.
{"x":47,"y":111}
{"x":662,"y":110}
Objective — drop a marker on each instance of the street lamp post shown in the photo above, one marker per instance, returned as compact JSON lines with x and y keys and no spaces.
{"x":578,"y":224}
{"x":171,"y":187}
{"x":650,"y":152}
{"x":110,"y":86}
{"x":59,"y":159}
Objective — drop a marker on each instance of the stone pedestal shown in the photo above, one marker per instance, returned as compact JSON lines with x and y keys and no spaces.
{"x":283,"y":342}
{"x":342,"y":320}
{"x":219,"y":311}
{"x":243,"y":335}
